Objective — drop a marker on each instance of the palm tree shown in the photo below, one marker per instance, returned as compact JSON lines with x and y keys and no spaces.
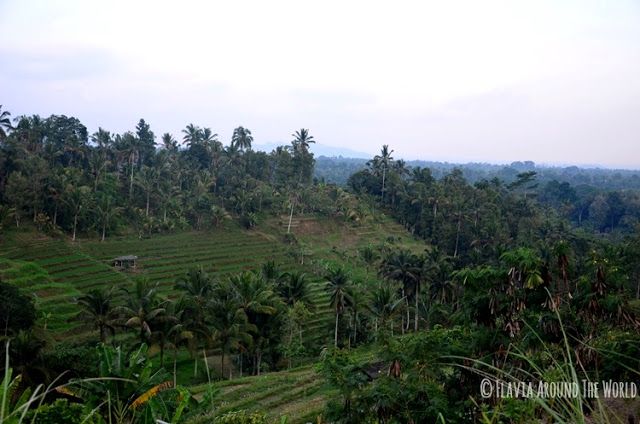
{"x":197,"y":287}
{"x":192,"y":135}
{"x":147,"y":180}
{"x":97,"y":166}
{"x":129,"y":149}
{"x":293,"y":287}
{"x":241,"y":139}
{"x":181,"y":332}
{"x":169,"y":143}
{"x":338,"y":286}
{"x":231,"y":327}
{"x":257,"y":301}
{"x":143,"y":308}
{"x":106,"y":211}
{"x":5,"y":123}
{"x":76,"y":197}
{"x":270,"y":271}
{"x":254,"y":296}
{"x":406,"y":268}
{"x":97,"y":307}
{"x":164,"y":331}
{"x":302,"y":139}
{"x":384,"y":305}
{"x":384,"y":160}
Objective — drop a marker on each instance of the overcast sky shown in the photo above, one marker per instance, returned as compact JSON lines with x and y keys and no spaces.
{"x":493,"y":81}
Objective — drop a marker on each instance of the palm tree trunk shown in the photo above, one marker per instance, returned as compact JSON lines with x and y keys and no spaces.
{"x":415,"y":324}
{"x":75,"y":225}
{"x":258,"y":361}
{"x":222,"y":364}
{"x":335,"y":336}
{"x":290,"y":218}
{"x":131,"y":179}
{"x":104,"y":231}
{"x":175,"y":361}
{"x":195,"y":366}
{"x":455,"y":252}
{"x":148,"y":193}
{"x":290,"y":343}
{"x":384,"y":174}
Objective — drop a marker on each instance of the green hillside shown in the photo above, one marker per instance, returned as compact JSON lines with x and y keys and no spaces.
{"x":58,"y":271}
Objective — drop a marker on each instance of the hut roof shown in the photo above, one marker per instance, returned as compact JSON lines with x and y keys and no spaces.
{"x":126,"y":258}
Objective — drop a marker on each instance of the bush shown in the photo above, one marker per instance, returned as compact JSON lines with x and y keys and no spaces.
{"x":241,"y":417}
{"x":61,"y":411}
{"x":17,"y":311}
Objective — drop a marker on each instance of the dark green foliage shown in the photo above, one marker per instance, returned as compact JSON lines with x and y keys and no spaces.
{"x":17,"y":311}
{"x":61,"y":411}
{"x":412,"y":382}
{"x":75,"y":361}
{"x":51,"y":173}
{"x":241,"y":417}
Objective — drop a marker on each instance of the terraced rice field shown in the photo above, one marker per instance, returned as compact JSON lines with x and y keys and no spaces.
{"x":58,"y":271}
{"x":299,"y":394}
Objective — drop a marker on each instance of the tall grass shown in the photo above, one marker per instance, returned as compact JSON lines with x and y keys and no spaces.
{"x":14,"y":406}
{"x":550,"y":367}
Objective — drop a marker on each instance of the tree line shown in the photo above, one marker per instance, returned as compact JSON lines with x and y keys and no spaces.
{"x":60,"y":177}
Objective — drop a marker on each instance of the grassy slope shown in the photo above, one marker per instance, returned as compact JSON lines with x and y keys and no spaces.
{"x":58,"y":271}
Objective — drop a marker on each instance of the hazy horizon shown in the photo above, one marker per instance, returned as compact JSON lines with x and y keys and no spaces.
{"x":491,"y":82}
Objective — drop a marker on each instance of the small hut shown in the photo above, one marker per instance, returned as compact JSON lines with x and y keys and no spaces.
{"x":125,"y":262}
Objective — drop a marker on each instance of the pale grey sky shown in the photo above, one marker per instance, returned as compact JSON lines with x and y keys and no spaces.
{"x":496,"y":81}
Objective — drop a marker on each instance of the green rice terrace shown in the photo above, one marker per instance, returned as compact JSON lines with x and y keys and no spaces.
{"x":58,"y":271}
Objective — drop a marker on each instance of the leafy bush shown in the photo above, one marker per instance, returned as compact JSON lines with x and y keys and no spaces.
{"x":61,"y":411}
{"x":241,"y":417}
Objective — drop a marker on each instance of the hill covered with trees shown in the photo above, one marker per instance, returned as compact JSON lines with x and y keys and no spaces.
{"x":260,"y":289}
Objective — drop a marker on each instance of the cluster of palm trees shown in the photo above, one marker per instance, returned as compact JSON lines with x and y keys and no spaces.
{"x":54,"y":171}
{"x":386,"y":306}
{"x":244,"y":314}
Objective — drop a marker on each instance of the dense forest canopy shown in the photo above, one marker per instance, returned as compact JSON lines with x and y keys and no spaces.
{"x":489,"y":262}
{"x":56,"y":173}
{"x":338,"y":169}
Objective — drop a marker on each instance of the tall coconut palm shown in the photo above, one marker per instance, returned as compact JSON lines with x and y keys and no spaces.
{"x":258,"y":302}
{"x":338,"y":285}
{"x":384,"y":161}
{"x":106,"y":211}
{"x":254,"y":296}
{"x":169,"y":143}
{"x":207,"y":136}
{"x":181,"y":332}
{"x":143,"y":307}
{"x":76,"y":197}
{"x":231,"y":327}
{"x":384,"y":305}
{"x":197,"y":287}
{"x":5,"y":123}
{"x":241,"y":139}
{"x":147,"y":180}
{"x":192,"y":135}
{"x":293,"y":287}
{"x":270,"y":271}
{"x":103,"y":141}
{"x":97,"y":307}
{"x":302,"y":139}
{"x":406,"y":268}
